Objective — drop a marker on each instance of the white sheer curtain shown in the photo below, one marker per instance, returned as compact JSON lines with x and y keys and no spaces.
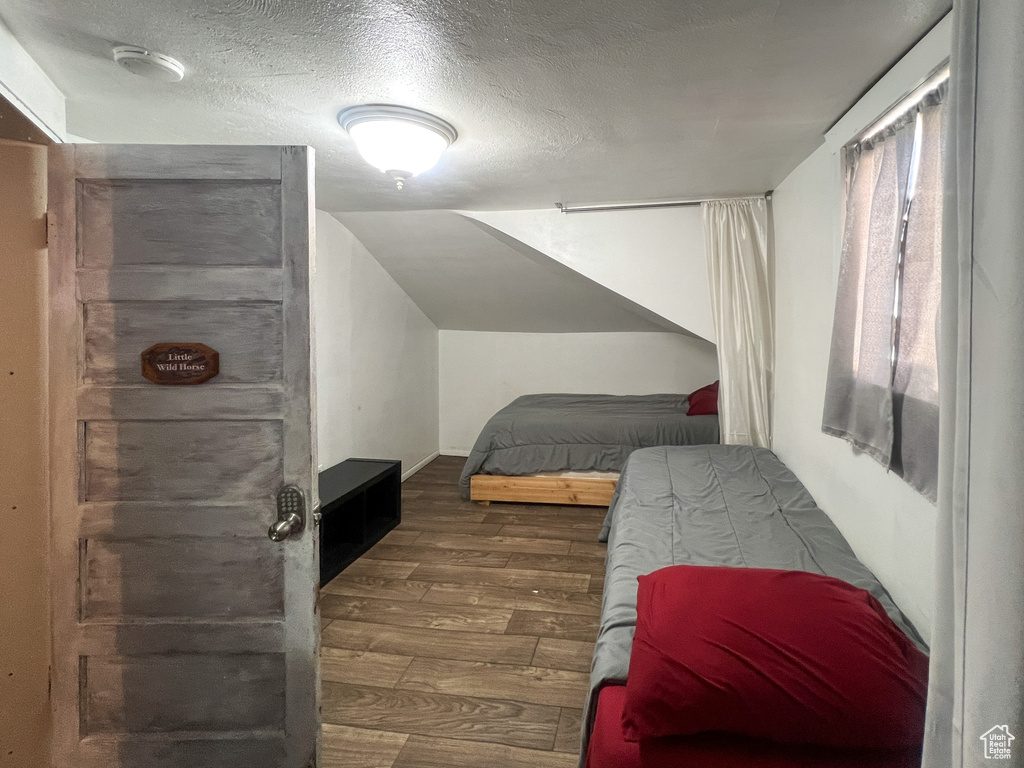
{"x":976,"y":678}
{"x":736,"y":236}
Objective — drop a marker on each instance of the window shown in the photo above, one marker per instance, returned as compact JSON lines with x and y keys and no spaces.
{"x":882,"y":393}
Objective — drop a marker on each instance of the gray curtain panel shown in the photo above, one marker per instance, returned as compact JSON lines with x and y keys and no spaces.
{"x":915,"y":386}
{"x":858,"y":398}
{"x":882,"y":388}
{"x":976,"y":682}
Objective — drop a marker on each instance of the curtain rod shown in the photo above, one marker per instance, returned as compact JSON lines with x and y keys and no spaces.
{"x":907,"y":102}
{"x":640,"y":206}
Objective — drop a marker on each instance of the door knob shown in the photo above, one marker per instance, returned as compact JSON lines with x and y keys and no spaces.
{"x":291,"y":513}
{"x":285,"y":527}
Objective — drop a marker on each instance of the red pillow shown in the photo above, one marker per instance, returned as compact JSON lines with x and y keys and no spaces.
{"x":783,"y":655}
{"x":704,"y":401}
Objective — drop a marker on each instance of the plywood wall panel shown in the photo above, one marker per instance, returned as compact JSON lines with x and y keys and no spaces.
{"x":24,"y":499}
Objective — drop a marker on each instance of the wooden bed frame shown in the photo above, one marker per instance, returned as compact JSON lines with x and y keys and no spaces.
{"x":581,"y":491}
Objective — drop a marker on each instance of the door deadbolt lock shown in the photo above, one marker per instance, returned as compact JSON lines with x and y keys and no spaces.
{"x":291,"y":513}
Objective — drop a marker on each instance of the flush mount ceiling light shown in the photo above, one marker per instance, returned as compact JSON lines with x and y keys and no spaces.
{"x":145,"y":63}
{"x":400,"y":141}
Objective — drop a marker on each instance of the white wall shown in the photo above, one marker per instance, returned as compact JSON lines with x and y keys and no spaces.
{"x":482,"y":372}
{"x":377,"y":369}
{"x":27,"y":87}
{"x":889,"y":526}
{"x":654,"y":257}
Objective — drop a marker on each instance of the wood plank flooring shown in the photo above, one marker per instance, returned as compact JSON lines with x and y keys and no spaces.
{"x":463,"y":639}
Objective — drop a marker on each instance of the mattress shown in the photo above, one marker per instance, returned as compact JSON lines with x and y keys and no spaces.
{"x":566,"y":432}
{"x":609,"y":749}
{"x":721,"y":505}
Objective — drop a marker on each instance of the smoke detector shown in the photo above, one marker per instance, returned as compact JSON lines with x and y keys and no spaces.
{"x":155,"y":66}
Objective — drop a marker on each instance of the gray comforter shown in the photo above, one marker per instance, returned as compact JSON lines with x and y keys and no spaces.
{"x":723,"y":505}
{"x":560,"y":432}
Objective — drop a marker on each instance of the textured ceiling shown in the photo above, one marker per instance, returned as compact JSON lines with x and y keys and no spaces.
{"x":575,"y":101}
{"x":467,"y":276}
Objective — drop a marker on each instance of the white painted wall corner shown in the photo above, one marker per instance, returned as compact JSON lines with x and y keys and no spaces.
{"x":27,"y":87}
{"x":419,"y":465}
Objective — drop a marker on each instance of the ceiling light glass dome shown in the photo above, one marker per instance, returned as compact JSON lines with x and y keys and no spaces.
{"x":399,"y":141}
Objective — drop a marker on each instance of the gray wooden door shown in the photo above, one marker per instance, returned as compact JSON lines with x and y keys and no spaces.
{"x":183,"y":636}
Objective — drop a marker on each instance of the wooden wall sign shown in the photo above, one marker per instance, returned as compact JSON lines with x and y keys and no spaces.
{"x":180,"y":363}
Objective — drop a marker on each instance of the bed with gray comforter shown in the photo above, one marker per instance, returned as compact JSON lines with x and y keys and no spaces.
{"x":724,"y":505}
{"x":563,"y":432}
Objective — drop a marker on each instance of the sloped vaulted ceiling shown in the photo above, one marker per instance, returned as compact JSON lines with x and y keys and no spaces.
{"x":466,"y":275}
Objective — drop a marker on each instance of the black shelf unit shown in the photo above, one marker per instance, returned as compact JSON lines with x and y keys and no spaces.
{"x":360,"y":500}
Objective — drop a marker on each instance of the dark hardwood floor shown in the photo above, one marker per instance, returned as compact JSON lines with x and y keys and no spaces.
{"x":463,"y":639}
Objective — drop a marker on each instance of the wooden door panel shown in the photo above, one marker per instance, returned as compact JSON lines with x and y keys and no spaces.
{"x":246,"y":334}
{"x":202,"y":163}
{"x":179,"y":578}
{"x":96,"y":640}
{"x":100,"y":404}
{"x":181,"y":460}
{"x":137,"y":520}
{"x":229,"y":223}
{"x":182,"y":634}
{"x":252,"y":752}
{"x":194,"y":283}
{"x":189,"y":693}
